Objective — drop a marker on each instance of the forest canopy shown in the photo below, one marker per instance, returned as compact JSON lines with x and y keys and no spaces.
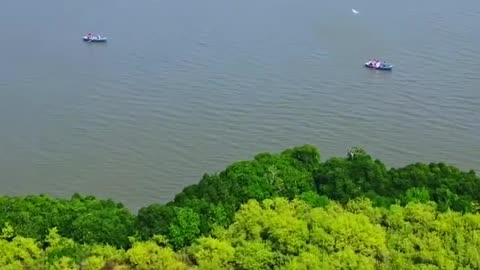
{"x":278,"y":211}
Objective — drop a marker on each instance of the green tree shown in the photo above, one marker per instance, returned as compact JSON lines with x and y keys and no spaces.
{"x":185,"y":228}
{"x":149,"y":256}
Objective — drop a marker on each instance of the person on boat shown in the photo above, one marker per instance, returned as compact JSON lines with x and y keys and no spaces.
{"x":89,"y":36}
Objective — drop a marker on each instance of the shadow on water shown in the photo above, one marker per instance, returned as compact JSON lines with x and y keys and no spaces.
{"x":92,"y":47}
{"x":379,"y":74}
{"x":103,"y":44}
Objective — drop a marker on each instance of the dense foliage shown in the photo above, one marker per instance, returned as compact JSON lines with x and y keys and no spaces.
{"x":281,"y":234}
{"x":203,"y":222}
{"x":298,"y":172}
{"x":86,"y":219}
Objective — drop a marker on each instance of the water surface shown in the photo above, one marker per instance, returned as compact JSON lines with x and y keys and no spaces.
{"x":187,"y":87}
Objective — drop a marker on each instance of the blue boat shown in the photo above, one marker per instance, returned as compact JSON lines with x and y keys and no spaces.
{"x":94,"y":38}
{"x":380,"y":65}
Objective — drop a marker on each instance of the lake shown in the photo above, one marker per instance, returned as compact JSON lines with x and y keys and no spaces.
{"x":183,"y":88}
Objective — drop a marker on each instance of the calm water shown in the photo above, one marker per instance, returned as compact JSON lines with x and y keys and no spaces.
{"x":187,"y":87}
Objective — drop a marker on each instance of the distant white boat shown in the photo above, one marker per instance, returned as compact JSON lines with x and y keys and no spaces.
{"x":354,"y":11}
